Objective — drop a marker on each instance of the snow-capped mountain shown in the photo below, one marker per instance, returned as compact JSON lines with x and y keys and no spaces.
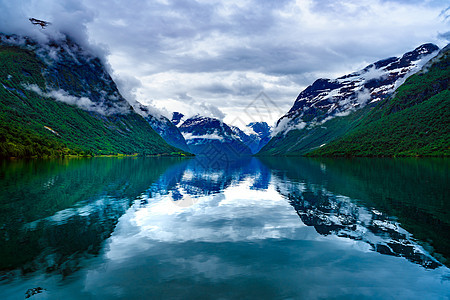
{"x":413,"y":122}
{"x":168,"y":131}
{"x":327,"y":99}
{"x":210,"y":137}
{"x":163,"y":126}
{"x":262,"y":130}
{"x":255,"y":135}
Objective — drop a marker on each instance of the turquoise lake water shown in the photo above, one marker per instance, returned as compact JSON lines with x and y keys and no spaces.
{"x":202,"y":228}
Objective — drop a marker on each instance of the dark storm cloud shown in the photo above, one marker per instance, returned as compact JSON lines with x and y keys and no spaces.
{"x":238,"y":87}
{"x":191,"y":36}
{"x":69,"y":17}
{"x":445,"y":35}
{"x":224,"y":53}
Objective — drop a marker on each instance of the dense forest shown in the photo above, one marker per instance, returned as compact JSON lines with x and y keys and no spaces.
{"x":34,"y":125}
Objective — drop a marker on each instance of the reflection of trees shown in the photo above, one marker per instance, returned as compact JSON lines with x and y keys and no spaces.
{"x":382,"y":188}
{"x":53,"y":212}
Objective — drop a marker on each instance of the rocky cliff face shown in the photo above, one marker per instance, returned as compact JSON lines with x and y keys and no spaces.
{"x":211,"y":137}
{"x":410,"y":123}
{"x":60,"y":97}
{"x":327,"y":99}
{"x":255,"y":135}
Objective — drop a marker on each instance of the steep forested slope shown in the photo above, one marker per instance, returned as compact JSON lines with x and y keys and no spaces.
{"x":415,"y":122}
{"x":58,"y":99}
{"x":329,"y":108}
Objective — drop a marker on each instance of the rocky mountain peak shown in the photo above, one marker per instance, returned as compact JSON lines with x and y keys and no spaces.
{"x":212,"y":137}
{"x":177,"y":118}
{"x":328,"y":98}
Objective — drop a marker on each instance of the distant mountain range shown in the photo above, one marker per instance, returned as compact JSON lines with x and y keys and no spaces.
{"x":329,"y":109}
{"x":207,"y":136}
{"x":163,"y":126}
{"x":256,"y":135}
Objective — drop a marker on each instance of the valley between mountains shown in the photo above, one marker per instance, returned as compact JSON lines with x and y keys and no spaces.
{"x":58,"y":99}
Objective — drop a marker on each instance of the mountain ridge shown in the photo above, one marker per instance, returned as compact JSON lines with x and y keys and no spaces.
{"x":414,"y":122}
{"x":58,"y":99}
{"x":255,"y":135}
{"x":327,"y":109}
{"x":207,"y":136}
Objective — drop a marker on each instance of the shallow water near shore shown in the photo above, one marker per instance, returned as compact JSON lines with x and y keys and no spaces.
{"x":204,"y":228}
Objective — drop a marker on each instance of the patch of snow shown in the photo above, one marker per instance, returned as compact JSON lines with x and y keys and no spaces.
{"x":416,"y":66}
{"x":248,"y":130}
{"x":212,"y":136}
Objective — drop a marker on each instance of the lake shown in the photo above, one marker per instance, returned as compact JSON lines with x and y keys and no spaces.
{"x":203,"y":228}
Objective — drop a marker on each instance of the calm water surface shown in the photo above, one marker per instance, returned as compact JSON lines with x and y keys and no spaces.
{"x":167,"y":228}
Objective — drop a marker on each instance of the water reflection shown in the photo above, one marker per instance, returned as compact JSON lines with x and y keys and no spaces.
{"x":174,"y":228}
{"x":197,"y":177}
{"x":52,"y":212}
{"x":339,"y":196}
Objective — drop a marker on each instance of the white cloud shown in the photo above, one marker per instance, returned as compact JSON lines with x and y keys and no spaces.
{"x":206,"y":51}
{"x":285,"y":126}
{"x":224,"y":53}
{"x":81,"y":102}
{"x":363,"y":96}
{"x":70,"y":17}
{"x":374,"y":73}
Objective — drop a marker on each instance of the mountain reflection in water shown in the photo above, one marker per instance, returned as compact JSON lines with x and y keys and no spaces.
{"x":159,"y":227}
{"x":370,"y":199}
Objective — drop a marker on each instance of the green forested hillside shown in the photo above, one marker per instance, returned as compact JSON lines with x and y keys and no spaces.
{"x":415,"y":122}
{"x":33,"y":125}
{"x":328,"y":109}
{"x":298,"y":142}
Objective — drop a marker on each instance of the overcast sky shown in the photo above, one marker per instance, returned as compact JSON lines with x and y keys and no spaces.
{"x":216,"y":57}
